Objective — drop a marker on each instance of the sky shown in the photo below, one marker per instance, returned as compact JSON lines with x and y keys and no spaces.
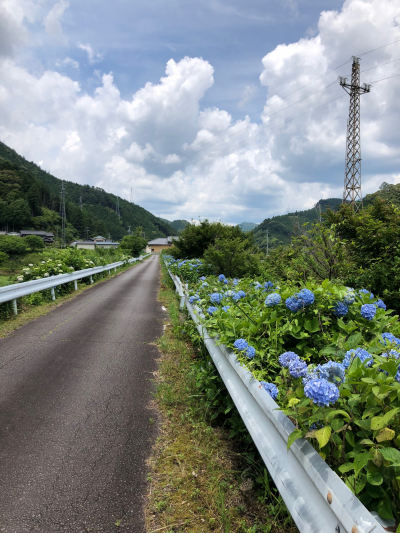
{"x":223,"y":109}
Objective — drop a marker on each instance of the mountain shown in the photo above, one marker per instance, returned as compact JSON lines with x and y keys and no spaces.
{"x":30,"y":199}
{"x":247,"y":226}
{"x":281,"y":228}
{"x":179,"y":225}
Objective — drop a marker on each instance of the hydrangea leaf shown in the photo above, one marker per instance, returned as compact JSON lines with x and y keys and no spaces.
{"x":375,"y":478}
{"x":384,"y":509}
{"x":332,"y":414}
{"x":391,"y":454}
{"x":296,"y":434}
{"x":312,"y":325}
{"x":346,"y":467}
{"x":360,"y":461}
{"x":378,"y":458}
{"x":385,"y":434}
{"x":323,"y":435}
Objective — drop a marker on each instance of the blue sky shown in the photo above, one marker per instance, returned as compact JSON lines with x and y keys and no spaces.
{"x":123,"y":94}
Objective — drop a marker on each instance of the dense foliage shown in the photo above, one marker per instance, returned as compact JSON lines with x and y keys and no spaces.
{"x":329,"y":355}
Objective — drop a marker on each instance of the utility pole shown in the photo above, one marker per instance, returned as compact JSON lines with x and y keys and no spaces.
{"x":267,"y":242}
{"x":117,"y":209}
{"x":352,"y":172}
{"x":87,"y":233}
{"x":62,"y":215}
{"x":129,"y":230}
{"x":80,"y":202}
{"x":131,"y":197}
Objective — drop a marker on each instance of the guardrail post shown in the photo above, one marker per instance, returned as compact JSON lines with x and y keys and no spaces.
{"x":91,"y":280}
{"x":53,"y":294}
{"x":75,"y":285}
{"x":14,"y":306}
{"x":115,"y":269}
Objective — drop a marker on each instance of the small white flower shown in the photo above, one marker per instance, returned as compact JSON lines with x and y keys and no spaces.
{"x":20,"y":278}
{"x":30,"y":264}
{"x":46,"y":275}
{"x":43,"y":262}
{"x":61,"y":271}
{"x":71,"y":268}
{"x":37,"y":277}
{"x":59,"y":265}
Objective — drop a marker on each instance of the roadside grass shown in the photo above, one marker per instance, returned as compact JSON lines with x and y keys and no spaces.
{"x":199,"y":477}
{"x":26,"y":313}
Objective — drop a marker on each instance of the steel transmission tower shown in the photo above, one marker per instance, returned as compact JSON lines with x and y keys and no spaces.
{"x":63,"y":215}
{"x":131,"y":197}
{"x":352,"y":172}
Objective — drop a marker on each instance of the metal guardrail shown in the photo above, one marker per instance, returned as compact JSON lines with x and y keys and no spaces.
{"x":10,"y":293}
{"x":318,"y":500}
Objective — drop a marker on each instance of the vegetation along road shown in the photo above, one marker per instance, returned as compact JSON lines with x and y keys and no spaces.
{"x":75,"y":424}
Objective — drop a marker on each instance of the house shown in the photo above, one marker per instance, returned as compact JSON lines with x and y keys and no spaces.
{"x":92,"y":244}
{"x":46,"y":236}
{"x":163,"y":243}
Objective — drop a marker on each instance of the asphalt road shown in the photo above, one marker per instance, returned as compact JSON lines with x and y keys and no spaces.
{"x":75,"y":423}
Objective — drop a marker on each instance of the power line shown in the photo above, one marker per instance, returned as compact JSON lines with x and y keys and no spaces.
{"x":299,"y":89}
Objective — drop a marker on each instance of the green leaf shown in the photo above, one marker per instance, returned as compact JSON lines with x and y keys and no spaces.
{"x":377,"y":422}
{"x":385,"y":434}
{"x":332,"y":414}
{"x":375,"y":478}
{"x":391,"y":454}
{"x":391,"y":414}
{"x":365,"y":424}
{"x":360,"y":461}
{"x":296,"y":434}
{"x":368,"y":380}
{"x":384,"y":509}
{"x":346,"y":467}
{"x":312,"y":325}
{"x":323,"y":435}
{"x":368,"y":442}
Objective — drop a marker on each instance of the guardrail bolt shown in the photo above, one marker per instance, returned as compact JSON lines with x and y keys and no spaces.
{"x":14,"y":307}
{"x":53,"y":294}
{"x":329,"y":497}
{"x":354,"y":529}
{"x":75,"y":285}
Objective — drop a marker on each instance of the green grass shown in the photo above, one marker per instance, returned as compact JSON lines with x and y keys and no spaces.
{"x":4,"y":280}
{"x":199,"y":479}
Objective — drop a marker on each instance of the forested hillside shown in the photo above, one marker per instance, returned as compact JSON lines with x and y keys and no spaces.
{"x":30,"y":199}
{"x":281,"y":228}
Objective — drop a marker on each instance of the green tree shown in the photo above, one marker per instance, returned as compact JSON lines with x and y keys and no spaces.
{"x":195,"y":239}
{"x":233,"y":257}
{"x":19,"y":214}
{"x":3,"y":257}
{"x":12,"y":245}
{"x":135,"y":243}
{"x":34,"y":242}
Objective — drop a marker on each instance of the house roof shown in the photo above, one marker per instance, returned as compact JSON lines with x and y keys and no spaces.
{"x":162,"y":241}
{"x":38,"y":233}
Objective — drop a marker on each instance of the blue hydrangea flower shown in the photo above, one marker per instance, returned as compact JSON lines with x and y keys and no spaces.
{"x":311,"y":374}
{"x":225,"y":308}
{"x":361,"y":293}
{"x":360,"y":353}
{"x":368,"y":311}
{"x":287,"y":358}
{"x":225,"y":282}
{"x":235,"y":281}
{"x":299,"y":300}
{"x":205,"y":284}
{"x":298,"y":368}
{"x":221,"y":277}
{"x":194,"y":298}
{"x":239,"y":295}
{"x":350,"y":296}
{"x":230,"y":294}
{"x":216,"y":297}
{"x":380,"y":304}
{"x":269,"y":285}
{"x":321,"y":392}
{"x":241,"y":344}
{"x":250,"y":352}
{"x":389,"y":337}
{"x":340,"y":309}
{"x":203,"y":278}
{"x":271,"y":389}
{"x":332,"y":372}
{"x":273,"y":299}
{"x":212,"y":310}
{"x":316,"y":425}
{"x":257,"y":285}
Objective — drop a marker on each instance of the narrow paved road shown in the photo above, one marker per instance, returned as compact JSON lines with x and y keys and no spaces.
{"x":75,"y":426}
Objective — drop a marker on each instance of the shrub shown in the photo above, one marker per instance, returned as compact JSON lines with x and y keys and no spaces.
{"x":3,"y":257}
{"x":34,"y":242}
{"x":12,"y":245}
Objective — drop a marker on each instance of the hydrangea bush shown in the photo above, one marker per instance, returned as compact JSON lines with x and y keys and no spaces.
{"x":330,"y":356}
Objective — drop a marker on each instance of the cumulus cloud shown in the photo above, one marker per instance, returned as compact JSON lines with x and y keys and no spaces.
{"x":184,"y":161}
{"x":68,"y":62}
{"x":93,"y":56}
{"x":248,"y":94}
{"x":13,"y":32}
{"x":52,"y":21}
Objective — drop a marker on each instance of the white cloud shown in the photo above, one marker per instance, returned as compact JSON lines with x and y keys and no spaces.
{"x":52,"y":21}
{"x":68,"y":62}
{"x":93,"y":56}
{"x":159,"y":141}
{"x":248,"y":94}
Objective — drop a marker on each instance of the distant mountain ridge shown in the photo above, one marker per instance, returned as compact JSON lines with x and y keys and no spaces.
{"x":38,"y":195}
{"x":281,"y":227}
{"x":247,"y":226}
